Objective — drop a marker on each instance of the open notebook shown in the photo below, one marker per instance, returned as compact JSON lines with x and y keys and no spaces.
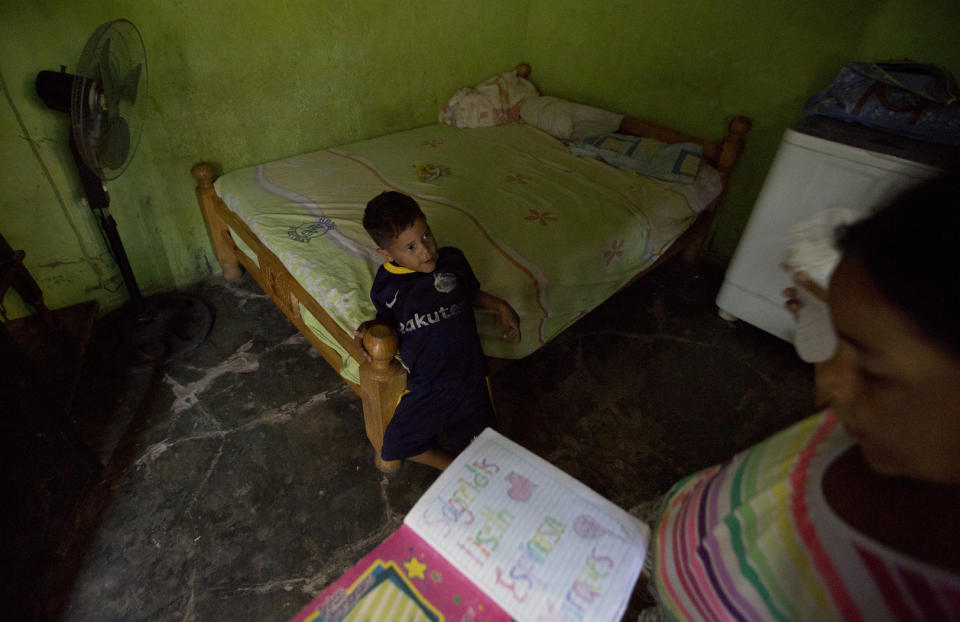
{"x":501,"y":534}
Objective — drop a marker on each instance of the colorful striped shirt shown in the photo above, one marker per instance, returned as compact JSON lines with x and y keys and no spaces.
{"x":755,"y":539}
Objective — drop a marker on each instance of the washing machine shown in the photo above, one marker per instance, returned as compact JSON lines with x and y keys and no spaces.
{"x":821,"y":164}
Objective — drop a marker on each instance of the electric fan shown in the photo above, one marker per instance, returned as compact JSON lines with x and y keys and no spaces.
{"x":106,"y":100}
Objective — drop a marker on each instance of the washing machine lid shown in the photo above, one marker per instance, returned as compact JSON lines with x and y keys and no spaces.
{"x":871,"y":139}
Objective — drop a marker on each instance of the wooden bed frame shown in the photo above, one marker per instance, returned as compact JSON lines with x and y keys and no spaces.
{"x":384,"y":379}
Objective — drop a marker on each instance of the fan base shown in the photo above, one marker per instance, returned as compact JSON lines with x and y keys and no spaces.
{"x":170,"y":326}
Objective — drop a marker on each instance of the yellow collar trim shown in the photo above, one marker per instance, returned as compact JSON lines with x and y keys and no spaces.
{"x":394,"y":268}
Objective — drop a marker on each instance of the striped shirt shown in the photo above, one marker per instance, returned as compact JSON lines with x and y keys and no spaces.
{"x":755,"y":539}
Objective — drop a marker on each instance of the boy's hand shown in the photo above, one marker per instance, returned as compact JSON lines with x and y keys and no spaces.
{"x":508,"y":317}
{"x":358,"y":338}
{"x":511,"y":322}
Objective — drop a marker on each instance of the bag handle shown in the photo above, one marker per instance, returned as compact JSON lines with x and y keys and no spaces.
{"x":879,"y":89}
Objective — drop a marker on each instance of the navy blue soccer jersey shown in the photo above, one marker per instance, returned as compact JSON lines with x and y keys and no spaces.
{"x":447,"y":397}
{"x":433,"y":313}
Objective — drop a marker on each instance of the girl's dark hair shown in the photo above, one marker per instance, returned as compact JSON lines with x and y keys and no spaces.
{"x":910,"y":248}
{"x":388,"y":214}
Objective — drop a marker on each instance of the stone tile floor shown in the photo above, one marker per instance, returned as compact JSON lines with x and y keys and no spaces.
{"x":238,"y":481}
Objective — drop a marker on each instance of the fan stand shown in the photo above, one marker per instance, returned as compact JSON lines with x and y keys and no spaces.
{"x":111,"y":74}
{"x":146,"y":331}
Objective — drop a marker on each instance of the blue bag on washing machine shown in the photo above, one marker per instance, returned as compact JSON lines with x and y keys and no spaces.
{"x":917,"y":100}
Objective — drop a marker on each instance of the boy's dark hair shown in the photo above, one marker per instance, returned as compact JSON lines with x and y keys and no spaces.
{"x":388,"y":214}
{"x":909,"y":248}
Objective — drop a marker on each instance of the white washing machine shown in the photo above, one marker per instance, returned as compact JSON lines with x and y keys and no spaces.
{"x":821,"y":164}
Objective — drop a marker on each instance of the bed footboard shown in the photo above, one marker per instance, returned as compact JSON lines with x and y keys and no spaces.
{"x":382,"y":380}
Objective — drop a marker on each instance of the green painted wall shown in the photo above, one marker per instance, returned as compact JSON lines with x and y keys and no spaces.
{"x":237,"y":83}
{"x":693,"y":64}
{"x":233,"y":83}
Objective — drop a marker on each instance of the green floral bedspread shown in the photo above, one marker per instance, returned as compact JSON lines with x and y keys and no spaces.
{"x":552,"y":233}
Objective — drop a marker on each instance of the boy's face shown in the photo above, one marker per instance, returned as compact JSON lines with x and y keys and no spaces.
{"x":414,"y":248}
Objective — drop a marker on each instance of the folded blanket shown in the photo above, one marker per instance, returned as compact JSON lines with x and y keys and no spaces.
{"x":678,"y":162}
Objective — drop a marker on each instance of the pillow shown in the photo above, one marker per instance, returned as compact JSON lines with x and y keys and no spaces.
{"x":669,"y":162}
{"x":567,"y":120}
{"x":548,"y":114}
{"x":492,"y":102}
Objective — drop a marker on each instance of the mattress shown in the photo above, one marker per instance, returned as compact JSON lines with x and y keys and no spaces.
{"x":552,"y":233}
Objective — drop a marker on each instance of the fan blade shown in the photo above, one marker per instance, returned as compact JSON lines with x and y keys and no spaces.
{"x":106,"y":67}
{"x":113,"y":149}
{"x":130,"y":84}
{"x":108,"y":77}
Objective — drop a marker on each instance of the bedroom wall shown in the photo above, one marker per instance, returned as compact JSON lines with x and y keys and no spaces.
{"x":267,"y":82}
{"x":695,"y":64}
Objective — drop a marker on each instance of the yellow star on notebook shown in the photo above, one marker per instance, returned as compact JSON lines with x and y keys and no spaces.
{"x":415,"y":568}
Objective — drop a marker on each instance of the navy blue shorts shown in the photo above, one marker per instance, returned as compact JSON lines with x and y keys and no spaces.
{"x":427,"y":417}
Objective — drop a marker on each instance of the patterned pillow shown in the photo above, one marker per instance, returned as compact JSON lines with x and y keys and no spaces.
{"x":493,"y":102}
{"x":669,"y":162}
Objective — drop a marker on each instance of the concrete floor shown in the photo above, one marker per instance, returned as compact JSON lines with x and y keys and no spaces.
{"x":238,"y":481}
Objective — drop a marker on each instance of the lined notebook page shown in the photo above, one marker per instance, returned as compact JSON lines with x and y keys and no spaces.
{"x":539,"y":543}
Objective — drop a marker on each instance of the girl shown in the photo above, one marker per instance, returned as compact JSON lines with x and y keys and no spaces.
{"x":851,"y":514}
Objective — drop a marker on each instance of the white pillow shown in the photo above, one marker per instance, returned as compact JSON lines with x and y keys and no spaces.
{"x":567,"y":120}
{"x":549,"y":114}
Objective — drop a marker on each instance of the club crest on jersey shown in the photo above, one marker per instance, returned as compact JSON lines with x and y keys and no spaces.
{"x":445,"y":282}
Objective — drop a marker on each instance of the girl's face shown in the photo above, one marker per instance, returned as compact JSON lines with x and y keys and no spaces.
{"x":895,"y":390}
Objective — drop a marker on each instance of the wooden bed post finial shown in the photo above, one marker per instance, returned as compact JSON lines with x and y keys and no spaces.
{"x":203,"y":173}
{"x":740,"y":125}
{"x":732,"y":145}
{"x":382,"y":382}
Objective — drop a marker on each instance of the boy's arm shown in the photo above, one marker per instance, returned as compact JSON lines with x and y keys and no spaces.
{"x":384,"y":316}
{"x":508,"y":317}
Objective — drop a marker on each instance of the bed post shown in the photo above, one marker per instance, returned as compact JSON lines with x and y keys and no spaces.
{"x":382,"y":382}
{"x":730,"y":149}
{"x":219,"y":234}
{"x":731,"y":146}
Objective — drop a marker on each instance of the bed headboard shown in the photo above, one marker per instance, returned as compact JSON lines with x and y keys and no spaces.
{"x":723,"y":155}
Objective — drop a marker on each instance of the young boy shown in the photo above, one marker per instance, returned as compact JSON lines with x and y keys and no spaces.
{"x":428,"y":294}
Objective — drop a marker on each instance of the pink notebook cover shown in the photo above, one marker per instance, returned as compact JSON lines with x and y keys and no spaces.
{"x":402,"y":574}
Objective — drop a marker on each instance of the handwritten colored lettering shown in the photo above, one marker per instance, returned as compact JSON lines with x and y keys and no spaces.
{"x":587,"y":587}
{"x":448,"y":513}
{"x":488,"y":468}
{"x":533,"y":553}
{"x":487,"y":538}
{"x":456,"y":505}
